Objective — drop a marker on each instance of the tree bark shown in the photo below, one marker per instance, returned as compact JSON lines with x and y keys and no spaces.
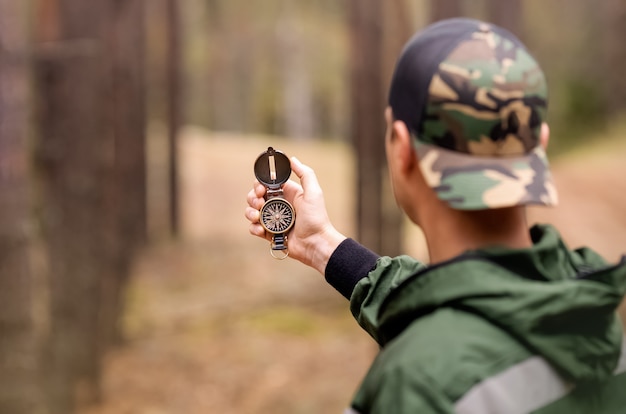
{"x":20,"y":389}
{"x":126,"y":184}
{"x":508,"y":14}
{"x":444,"y":9}
{"x":295,"y":76}
{"x":612,"y":45}
{"x":174,"y":112}
{"x":73,"y":159}
{"x":398,"y":30}
{"x":91,"y":165}
{"x":367,"y":122}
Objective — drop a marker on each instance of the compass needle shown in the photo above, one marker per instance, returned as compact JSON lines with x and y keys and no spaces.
{"x":272,"y":163}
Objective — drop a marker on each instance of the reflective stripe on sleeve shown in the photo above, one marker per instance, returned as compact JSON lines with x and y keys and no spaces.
{"x":521,"y":389}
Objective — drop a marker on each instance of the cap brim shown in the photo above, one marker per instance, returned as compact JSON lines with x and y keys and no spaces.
{"x":470,"y":182}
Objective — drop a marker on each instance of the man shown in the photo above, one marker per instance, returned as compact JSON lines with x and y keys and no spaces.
{"x":504,"y":319}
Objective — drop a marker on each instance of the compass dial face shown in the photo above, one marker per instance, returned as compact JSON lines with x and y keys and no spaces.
{"x":277,"y":216}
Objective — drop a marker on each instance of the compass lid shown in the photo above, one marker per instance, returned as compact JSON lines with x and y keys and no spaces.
{"x":272,"y":168}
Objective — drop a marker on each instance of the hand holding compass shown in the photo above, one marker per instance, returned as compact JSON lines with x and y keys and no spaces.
{"x":272,"y":168}
{"x":314,"y":238}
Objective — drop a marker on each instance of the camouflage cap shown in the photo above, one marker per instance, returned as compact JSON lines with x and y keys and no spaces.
{"x":474,"y":100}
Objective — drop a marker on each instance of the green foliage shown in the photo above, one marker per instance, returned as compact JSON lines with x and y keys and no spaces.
{"x":241,"y":59}
{"x":581,"y":113}
{"x":239,"y":56}
{"x":584,"y":103}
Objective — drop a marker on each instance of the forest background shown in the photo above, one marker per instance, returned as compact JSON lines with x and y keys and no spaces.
{"x":128,"y":130}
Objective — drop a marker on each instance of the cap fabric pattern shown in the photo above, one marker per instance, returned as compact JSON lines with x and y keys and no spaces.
{"x":475,"y":106}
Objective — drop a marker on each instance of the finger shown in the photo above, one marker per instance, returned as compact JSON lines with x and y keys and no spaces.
{"x":307,"y":177}
{"x":250,"y":197}
{"x":291,"y":189}
{"x":253,"y":200}
{"x":253,"y":215}
{"x":259,"y":189}
{"x":257,"y":230}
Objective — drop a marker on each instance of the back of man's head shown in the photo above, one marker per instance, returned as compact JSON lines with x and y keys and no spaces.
{"x":474,"y":100}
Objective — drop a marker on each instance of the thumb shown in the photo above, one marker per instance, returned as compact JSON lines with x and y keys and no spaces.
{"x":307,"y":177}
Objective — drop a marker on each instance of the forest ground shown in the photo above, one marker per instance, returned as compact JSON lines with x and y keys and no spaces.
{"x":214,"y":325}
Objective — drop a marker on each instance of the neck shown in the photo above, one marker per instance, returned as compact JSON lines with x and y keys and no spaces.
{"x":450,"y":232}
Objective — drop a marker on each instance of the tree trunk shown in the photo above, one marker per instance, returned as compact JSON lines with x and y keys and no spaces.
{"x":613,"y":35}
{"x":126,"y":186}
{"x":295,"y":76}
{"x":508,"y":14}
{"x":174,"y":112}
{"x":444,"y":9}
{"x":91,"y":164}
{"x":20,"y":391}
{"x":73,"y":158}
{"x":398,"y":30}
{"x":367,"y":122}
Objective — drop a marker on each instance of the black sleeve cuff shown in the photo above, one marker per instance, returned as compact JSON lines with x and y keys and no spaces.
{"x":349,"y":263}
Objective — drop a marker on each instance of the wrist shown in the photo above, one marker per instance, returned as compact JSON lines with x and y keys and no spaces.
{"x":323,"y":244}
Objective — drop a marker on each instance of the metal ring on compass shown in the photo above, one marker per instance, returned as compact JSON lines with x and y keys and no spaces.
{"x":284,"y":255}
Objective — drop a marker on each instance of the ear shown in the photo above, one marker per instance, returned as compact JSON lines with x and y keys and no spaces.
{"x":544,"y":136}
{"x":402,"y":146}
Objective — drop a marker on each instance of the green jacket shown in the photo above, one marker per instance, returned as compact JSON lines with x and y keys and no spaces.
{"x":495,"y":331}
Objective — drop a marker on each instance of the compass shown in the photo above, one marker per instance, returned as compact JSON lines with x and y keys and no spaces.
{"x":277,"y":216}
{"x":272,"y":168}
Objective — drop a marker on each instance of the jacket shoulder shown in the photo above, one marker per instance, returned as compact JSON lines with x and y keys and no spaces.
{"x":454,"y":349}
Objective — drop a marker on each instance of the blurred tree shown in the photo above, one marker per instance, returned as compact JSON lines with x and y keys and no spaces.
{"x":20,"y":391}
{"x":295,"y":76}
{"x":398,"y":29}
{"x":508,"y":14}
{"x":443,"y":9}
{"x":613,"y":35}
{"x":234,"y":46}
{"x":372,"y":57}
{"x":217,"y":62}
{"x":174,"y":106}
{"x":367,"y":122}
{"x":90,"y":160}
{"x":269,"y":67}
{"x":126,"y":182}
{"x":71,"y":159}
